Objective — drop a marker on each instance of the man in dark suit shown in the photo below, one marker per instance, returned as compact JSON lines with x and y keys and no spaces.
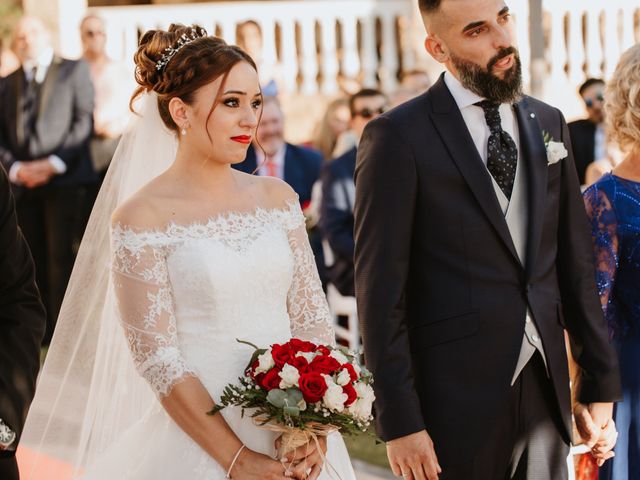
{"x":338,"y":193}
{"x":298,"y":166}
{"x":587,"y":135}
{"x":22,"y":323}
{"x":45,"y":125}
{"x":472,"y":255}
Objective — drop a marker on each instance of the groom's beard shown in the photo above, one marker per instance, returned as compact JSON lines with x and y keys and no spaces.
{"x":484,"y":83}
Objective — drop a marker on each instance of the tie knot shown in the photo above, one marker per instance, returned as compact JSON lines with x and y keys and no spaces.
{"x":491,"y":114}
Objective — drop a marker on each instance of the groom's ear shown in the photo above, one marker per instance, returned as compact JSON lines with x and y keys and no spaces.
{"x":436,"y":49}
{"x":178,"y":111}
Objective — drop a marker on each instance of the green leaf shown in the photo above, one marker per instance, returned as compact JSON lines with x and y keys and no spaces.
{"x":277,"y":398}
{"x":291,"y":411}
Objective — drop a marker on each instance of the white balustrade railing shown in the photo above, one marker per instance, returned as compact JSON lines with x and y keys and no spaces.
{"x":585,"y":38}
{"x":350,"y":32}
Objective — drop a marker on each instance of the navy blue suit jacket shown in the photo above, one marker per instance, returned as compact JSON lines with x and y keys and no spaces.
{"x":301,"y":168}
{"x":336,"y":218}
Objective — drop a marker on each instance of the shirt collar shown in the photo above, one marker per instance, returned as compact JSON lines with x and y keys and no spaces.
{"x":277,"y":159}
{"x":462,"y":96}
{"x":41,"y":61}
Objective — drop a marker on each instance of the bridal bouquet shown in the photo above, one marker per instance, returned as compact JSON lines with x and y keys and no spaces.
{"x":303,"y":390}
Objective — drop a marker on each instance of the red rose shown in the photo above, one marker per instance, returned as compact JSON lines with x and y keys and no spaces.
{"x":352,"y":371}
{"x":352,"y":395}
{"x":323,"y":350}
{"x":271,"y":379}
{"x":281,"y":354}
{"x":301,"y":346}
{"x":313,"y":386}
{"x":324,"y":364}
{"x":251,"y":370}
{"x":300,"y":363}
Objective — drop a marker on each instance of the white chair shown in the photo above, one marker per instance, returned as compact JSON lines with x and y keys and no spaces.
{"x":341,"y":306}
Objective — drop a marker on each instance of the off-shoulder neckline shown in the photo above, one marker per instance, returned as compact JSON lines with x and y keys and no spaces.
{"x":216,"y":220}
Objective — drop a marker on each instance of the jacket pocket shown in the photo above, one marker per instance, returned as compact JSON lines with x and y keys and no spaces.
{"x":446,"y":330}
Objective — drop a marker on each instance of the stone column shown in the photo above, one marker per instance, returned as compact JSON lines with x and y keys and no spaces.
{"x":63,"y":18}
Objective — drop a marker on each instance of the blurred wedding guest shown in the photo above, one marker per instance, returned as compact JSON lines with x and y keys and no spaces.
{"x":334,"y":122}
{"x":298,"y":166}
{"x":8,"y":62}
{"x":249,"y":38}
{"x":597,"y":168}
{"x":613,"y":206}
{"x":45,"y":125}
{"x":412,"y":83}
{"x":113,"y":85}
{"x":338,"y":193}
{"x":588,"y":140}
{"x":22,"y":323}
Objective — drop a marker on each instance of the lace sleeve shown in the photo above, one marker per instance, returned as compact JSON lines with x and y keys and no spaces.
{"x":146,"y":309}
{"x":306,"y":302}
{"x":604,"y":228}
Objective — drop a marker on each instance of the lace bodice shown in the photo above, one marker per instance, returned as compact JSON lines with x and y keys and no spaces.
{"x":613,"y":207}
{"x":187,"y":292}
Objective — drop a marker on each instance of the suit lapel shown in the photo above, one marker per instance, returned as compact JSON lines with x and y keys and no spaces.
{"x":48,"y":85}
{"x":451,"y":127}
{"x":289,"y":171}
{"x":534,"y":155}
{"x":19,"y":80}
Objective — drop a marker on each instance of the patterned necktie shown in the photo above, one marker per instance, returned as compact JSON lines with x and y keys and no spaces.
{"x":30,"y":103}
{"x":502,"y":153}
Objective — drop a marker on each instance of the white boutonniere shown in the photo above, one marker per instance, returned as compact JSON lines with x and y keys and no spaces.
{"x":556,"y":151}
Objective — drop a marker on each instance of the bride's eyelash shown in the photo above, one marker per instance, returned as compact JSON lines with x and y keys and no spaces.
{"x":231,"y":101}
{"x":256,"y":104}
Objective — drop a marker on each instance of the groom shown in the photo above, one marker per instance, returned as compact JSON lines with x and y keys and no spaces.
{"x":472,"y":256}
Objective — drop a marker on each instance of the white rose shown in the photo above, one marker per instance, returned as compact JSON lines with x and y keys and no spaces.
{"x":556,"y":151}
{"x":343,"y":377}
{"x":334,"y":397}
{"x":265,"y":362}
{"x":289,"y":376}
{"x":361,"y":408}
{"x":308,"y":355}
{"x":339,"y":356}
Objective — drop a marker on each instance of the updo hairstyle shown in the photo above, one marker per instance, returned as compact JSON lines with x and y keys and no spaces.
{"x":198,"y":63}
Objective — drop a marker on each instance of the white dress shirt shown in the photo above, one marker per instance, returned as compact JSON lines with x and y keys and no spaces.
{"x":277,"y":159}
{"x":41,"y":65}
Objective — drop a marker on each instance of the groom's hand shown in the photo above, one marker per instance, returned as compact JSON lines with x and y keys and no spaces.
{"x":413,"y":457}
{"x":597,"y":429}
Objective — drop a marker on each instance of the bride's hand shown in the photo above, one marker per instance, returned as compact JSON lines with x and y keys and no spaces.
{"x":254,"y":466}
{"x":306,"y":461}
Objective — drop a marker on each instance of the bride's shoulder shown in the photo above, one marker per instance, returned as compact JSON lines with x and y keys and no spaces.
{"x":145,"y":210}
{"x":276,"y":192}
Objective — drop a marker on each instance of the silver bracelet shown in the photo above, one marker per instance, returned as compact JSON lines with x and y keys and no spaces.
{"x":7,"y":436}
{"x":233,"y":462}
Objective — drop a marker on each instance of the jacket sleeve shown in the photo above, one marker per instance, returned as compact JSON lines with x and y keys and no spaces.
{"x":22,"y":316}
{"x":386,"y":189}
{"x":600,"y":378}
{"x":336,"y":215}
{"x":82,"y":119}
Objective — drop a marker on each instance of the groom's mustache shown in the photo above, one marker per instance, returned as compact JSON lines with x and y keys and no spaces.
{"x":504,"y":52}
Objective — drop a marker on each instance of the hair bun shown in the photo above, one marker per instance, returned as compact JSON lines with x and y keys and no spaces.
{"x":152,"y":46}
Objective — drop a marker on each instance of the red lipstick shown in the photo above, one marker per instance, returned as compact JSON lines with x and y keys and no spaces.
{"x":246,"y":139}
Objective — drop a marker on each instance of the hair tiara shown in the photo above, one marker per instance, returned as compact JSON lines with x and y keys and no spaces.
{"x":185,"y":39}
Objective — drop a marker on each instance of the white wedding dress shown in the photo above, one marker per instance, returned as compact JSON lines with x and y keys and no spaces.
{"x":185,"y":294}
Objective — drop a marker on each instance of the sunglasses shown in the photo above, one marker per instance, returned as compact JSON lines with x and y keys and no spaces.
{"x":368,"y":113}
{"x":93,"y":33}
{"x":589,"y":102}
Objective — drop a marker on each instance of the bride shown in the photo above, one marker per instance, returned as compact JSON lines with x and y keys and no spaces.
{"x":201,"y":255}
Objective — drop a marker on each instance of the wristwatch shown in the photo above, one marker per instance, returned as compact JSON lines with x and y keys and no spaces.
{"x":7,"y":436}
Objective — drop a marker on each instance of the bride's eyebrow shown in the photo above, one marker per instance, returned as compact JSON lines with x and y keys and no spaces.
{"x":240,"y":92}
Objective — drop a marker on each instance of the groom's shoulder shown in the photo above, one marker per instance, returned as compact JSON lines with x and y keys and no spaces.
{"x":542,"y":109}
{"x":407,"y":115}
